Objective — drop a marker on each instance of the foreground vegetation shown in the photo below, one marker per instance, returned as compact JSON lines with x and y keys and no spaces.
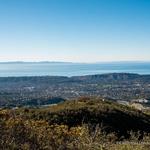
{"x":84,"y":124}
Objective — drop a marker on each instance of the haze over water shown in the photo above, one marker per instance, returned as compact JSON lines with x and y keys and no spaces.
{"x":71,"y":69}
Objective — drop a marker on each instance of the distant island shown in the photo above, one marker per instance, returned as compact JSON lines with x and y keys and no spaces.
{"x":28,"y":62}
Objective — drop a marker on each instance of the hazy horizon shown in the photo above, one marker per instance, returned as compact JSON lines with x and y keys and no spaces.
{"x":80,"y":62}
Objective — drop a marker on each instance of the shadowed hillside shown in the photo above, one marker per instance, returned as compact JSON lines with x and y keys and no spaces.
{"x":109,"y":115}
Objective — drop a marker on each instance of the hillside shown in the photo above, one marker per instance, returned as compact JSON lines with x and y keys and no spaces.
{"x":112,"y":116}
{"x":86,"y":123}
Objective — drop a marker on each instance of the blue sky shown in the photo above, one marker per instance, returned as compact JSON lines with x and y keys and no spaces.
{"x":74,"y":30}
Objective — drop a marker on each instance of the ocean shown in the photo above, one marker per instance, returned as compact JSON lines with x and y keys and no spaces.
{"x":71,"y":69}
